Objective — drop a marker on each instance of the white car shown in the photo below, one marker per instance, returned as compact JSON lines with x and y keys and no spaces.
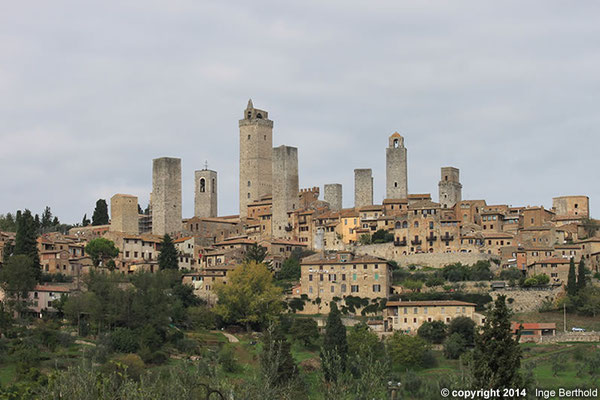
{"x":577,"y":329}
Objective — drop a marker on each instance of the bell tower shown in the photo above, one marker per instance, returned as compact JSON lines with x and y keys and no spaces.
{"x":395,"y":168}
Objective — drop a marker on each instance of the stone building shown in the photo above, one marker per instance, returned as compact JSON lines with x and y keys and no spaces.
{"x":395,"y":168}
{"x":571,"y":206}
{"x":341,"y":274}
{"x":333,"y":196}
{"x":124,"y":215}
{"x":450,"y":188}
{"x":256,"y":153}
{"x":285,"y":189}
{"x":408,"y":316}
{"x":363,"y":188}
{"x":205,"y":194}
{"x":166,"y":196}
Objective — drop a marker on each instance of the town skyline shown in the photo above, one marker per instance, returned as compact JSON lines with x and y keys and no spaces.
{"x":515,"y":112}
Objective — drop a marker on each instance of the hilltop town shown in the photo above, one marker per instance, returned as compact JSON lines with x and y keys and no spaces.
{"x":401,"y":266}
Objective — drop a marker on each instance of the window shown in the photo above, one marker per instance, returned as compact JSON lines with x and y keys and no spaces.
{"x":332,"y":289}
{"x":415,"y":310}
{"x":310,"y":289}
{"x":353,"y":277}
{"x":343,"y":288}
{"x":376,"y":276}
{"x":405,"y":310}
{"x":425,"y":310}
{"x":354,"y":288}
{"x":249,"y":184}
{"x":343,"y":277}
{"x":310,"y":278}
{"x":202,"y":185}
{"x":376,"y":288}
{"x":416,"y":224}
{"x":248,"y":195}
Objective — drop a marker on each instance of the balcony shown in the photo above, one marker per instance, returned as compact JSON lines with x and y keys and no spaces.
{"x":416,"y":242}
{"x":399,"y":242}
{"x":447,"y":237}
{"x":431,"y":238}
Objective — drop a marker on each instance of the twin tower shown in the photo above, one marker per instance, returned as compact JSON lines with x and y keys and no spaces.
{"x":266,"y":170}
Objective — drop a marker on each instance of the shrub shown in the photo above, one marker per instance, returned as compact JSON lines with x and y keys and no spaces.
{"x":465,"y":327}
{"x":434,"y":332}
{"x":124,"y":340}
{"x":454,"y":346}
{"x":227,"y":359}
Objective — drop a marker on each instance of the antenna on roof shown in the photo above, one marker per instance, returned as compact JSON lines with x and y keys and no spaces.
{"x":205,"y":165}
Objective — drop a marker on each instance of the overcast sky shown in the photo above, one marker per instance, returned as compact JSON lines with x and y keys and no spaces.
{"x":92,"y":91}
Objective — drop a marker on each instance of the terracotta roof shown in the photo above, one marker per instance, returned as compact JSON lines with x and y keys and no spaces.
{"x":553,"y":260}
{"x":432,"y":303}
{"x":320,"y":259}
{"x":51,"y":288}
{"x":235,"y":241}
{"x":287,"y":241}
{"x":424,"y":204}
{"x":532,"y":326}
{"x":374,"y":207}
{"x":395,"y":201}
{"x":183,"y":239}
{"x":419,"y":196}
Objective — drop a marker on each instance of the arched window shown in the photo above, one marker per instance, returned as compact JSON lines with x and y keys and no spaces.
{"x":416,"y":224}
{"x":396,"y":144}
{"x":395,"y":184}
{"x":213,"y":185}
{"x":259,"y":116}
{"x":398,"y":225}
{"x":202,"y":185}
{"x":405,"y":224}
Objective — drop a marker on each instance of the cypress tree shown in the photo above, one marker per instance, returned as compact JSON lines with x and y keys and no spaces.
{"x":277,"y":364}
{"x":168,"y":258}
{"x":572,"y":279}
{"x":497,"y":355}
{"x":334,"y":353}
{"x":85,"y":221}
{"x":26,"y":240}
{"x":100,"y":216}
{"x":46,"y":217}
{"x":581,"y":276}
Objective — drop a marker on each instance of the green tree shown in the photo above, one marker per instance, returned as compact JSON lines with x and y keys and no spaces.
{"x":434,"y":331}
{"x":100,"y":216}
{"x":46,"y":218}
{"x":290,"y":269}
{"x":412,"y":285}
{"x":85,"y":221}
{"x":364,"y":239}
{"x":407,"y":351}
{"x":364,"y":344}
{"x":454,"y":346}
{"x":276,"y":362}
{"x":168,"y":258}
{"x":464,"y":326}
{"x":589,"y":301}
{"x":334,"y":353}
{"x":249,"y":297}
{"x":382,"y":236}
{"x":17,"y":278}
{"x":305,"y":330}
{"x":257,"y":254}
{"x":497,"y":355}
{"x":572,"y":279}
{"x":8,"y":223}
{"x":581,"y":276}
{"x":101,"y":250}
{"x":26,"y":240}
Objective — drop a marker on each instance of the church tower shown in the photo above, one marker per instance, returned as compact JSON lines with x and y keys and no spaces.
{"x":256,"y":155}
{"x":395,"y":168}
{"x":205,"y":193}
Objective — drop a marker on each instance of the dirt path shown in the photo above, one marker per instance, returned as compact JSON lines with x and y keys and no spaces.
{"x":230,"y":337}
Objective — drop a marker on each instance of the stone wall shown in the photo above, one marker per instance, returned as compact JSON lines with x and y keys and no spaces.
{"x":571,"y":337}
{"x":166,"y":195}
{"x":333,"y":196}
{"x":434,"y":260}
{"x":363,"y":187}
{"x":527,"y":300}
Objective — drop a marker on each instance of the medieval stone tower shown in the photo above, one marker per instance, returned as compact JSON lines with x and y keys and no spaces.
{"x":450,"y":188}
{"x":124,"y":216}
{"x":363,"y":188}
{"x":166,"y":195}
{"x":333,"y":195}
{"x":395,"y":168}
{"x":285,"y":188}
{"x":205,"y":193}
{"x":256,"y":154}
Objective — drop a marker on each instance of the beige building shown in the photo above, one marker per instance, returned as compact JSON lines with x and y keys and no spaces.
{"x":571,"y":206}
{"x":329,"y":276}
{"x":408,"y":316}
{"x":124,"y":215}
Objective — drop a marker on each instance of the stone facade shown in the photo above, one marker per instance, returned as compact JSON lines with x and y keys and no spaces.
{"x":333,"y":196}
{"x":285,"y":189}
{"x":450,"y":188}
{"x":395,"y":168}
{"x":363,"y":188}
{"x":166,"y":196}
{"x":205,"y":194}
{"x":571,"y":206}
{"x":408,"y":316}
{"x":256,"y":153}
{"x":124,"y":215}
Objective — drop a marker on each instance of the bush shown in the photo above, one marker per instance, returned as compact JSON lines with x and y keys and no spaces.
{"x":124,"y":340}
{"x":305,"y":330}
{"x":434,"y":281}
{"x":227,"y":359}
{"x":510,"y":274}
{"x":130,"y":364}
{"x":454,"y":346}
{"x":382,"y":236}
{"x":406,"y":351}
{"x":465,"y":327}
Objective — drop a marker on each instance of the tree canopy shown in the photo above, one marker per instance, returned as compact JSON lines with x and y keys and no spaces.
{"x":334,"y":353}
{"x":101,"y":250}
{"x":100,"y":216}
{"x":168,"y":257}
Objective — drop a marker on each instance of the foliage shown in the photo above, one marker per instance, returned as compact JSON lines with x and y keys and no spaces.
{"x":227,"y":359}
{"x":364,"y":347}
{"x":276,"y":361}
{"x":434,"y":281}
{"x":433,"y":332}
{"x":364,"y":239}
{"x":406,"y":351}
{"x":85,"y":220}
{"x":100,"y":216}
{"x":290,"y":269}
{"x":581,"y":278}
{"x":256,"y":253}
{"x":590,"y":226}
{"x":465,"y":327}
{"x":480,"y":299}
{"x":202,"y":317}
{"x":18,"y":276}
{"x":334,"y":353}
{"x":124,"y":340}
{"x":382,"y":236}
{"x":455,"y":346}
{"x":480,"y":271}
{"x":497,"y":355}
{"x":413,"y":286}
{"x":511,"y":274}
{"x":26,"y":240}
{"x":101,"y":250}
{"x":250,"y":297}
{"x":572,"y":279}
{"x":536,"y":280}
{"x":588,"y":301}
{"x":8,"y":223}
{"x":305,"y":330}
{"x":168,"y":257}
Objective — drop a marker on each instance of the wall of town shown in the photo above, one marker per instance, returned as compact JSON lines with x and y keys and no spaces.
{"x":439,"y":260}
{"x":527,"y":300}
